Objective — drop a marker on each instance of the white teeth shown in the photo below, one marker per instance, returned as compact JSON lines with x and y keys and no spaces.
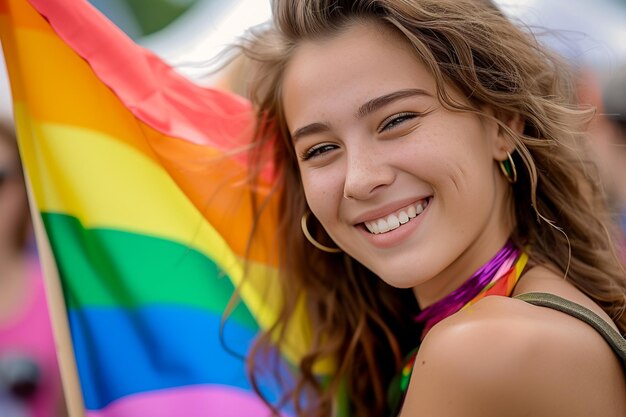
{"x":394,"y":221}
{"x":382,"y":226}
{"x":372,"y":227}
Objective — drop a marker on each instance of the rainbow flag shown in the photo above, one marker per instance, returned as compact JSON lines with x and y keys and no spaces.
{"x":147,"y":214}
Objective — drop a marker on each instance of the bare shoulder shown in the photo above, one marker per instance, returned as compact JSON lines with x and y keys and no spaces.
{"x":503,"y":356}
{"x":542,"y":279}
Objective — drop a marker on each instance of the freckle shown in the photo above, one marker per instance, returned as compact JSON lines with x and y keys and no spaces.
{"x":423,"y":362}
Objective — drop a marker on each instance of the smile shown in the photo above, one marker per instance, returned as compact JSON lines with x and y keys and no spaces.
{"x":397,"y":219}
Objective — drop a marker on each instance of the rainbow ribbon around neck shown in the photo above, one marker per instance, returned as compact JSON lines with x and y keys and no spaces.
{"x":496,"y":277}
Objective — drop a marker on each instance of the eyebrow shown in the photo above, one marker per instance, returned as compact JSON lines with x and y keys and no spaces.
{"x":367,"y":108}
{"x":379,"y":102}
{"x":311,"y":129}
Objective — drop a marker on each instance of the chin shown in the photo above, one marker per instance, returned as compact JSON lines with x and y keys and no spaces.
{"x":401,"y":279}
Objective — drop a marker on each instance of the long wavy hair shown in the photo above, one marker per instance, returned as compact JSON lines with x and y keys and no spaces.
{"x":361,"y":323}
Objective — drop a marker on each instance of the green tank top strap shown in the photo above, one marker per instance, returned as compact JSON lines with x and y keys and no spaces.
{"x":615,"y":340}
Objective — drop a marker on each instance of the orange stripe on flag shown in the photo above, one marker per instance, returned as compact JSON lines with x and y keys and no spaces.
{"x":23,"y":17}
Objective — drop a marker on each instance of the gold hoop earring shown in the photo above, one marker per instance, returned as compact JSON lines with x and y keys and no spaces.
{"x":305,"y":231}
{"x":508,"y":169}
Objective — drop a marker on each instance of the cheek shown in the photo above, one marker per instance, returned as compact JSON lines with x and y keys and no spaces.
{"x":462,"y":160}
{"x":323,"y":190}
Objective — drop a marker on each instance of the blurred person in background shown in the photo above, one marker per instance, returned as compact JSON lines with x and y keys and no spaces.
{"x":614,"y":102}
{"x":30,"y":384}
{"x":607,"y":141}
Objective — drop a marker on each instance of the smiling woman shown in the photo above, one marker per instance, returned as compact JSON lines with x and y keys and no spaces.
{"x":433,"y":155}
{"x":383,"y":143}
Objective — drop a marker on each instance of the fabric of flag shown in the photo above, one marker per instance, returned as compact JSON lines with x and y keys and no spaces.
{"x":144,"y":201}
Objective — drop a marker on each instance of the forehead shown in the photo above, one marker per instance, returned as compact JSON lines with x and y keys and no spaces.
{"x":365,"y":60}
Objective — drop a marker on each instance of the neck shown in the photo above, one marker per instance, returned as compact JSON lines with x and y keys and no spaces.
{"x":496,"y":277}
{"x":458,"y":272}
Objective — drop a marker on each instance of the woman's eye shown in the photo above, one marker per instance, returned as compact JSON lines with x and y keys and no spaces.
{"x":395,"y":120}
{"x":317,"y":150}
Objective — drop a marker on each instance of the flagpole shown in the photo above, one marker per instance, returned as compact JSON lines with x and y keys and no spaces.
{"x":58,"y":314}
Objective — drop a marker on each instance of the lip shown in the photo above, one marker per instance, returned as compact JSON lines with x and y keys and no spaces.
{"x":386,"y":210}
{"x":396,"y":236}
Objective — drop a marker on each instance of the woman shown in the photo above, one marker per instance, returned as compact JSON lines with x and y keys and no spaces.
{"x":30,"y":384}
{"x":430,"y":151}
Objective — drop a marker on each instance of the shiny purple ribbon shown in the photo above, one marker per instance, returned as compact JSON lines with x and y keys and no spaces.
{"x":454,"y":301}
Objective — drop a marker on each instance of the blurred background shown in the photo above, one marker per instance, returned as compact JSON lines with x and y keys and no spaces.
{"x":188,"y":34}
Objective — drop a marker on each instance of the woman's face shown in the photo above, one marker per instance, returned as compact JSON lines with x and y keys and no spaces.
{"x":406,"y":187}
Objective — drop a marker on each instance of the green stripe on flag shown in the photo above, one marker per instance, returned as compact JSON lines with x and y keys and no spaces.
{"x":113,"y":268}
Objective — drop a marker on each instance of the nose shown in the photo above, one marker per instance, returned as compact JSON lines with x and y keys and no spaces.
{"x":367,"y":172}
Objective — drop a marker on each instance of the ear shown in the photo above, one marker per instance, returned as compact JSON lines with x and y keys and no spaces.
{"x":502,"y":143}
